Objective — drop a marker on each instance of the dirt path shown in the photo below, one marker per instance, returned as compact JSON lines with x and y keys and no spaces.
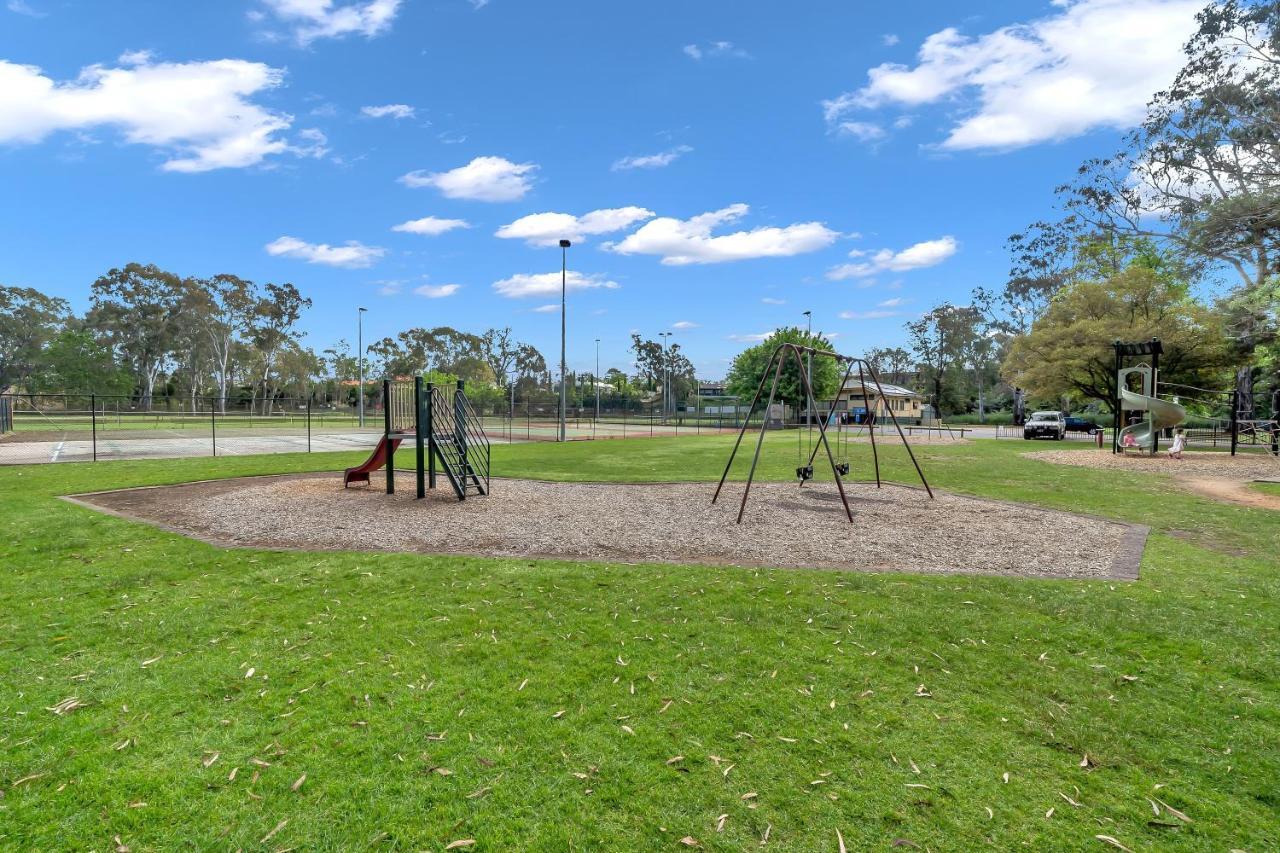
{"x":1231,"y":491}
{"x":1218,"y":476}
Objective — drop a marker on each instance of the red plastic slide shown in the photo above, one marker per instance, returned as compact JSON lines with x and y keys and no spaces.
{"x":360,"y":474}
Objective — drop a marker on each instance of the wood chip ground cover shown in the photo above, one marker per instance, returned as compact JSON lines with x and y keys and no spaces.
{"x":895,"y":528}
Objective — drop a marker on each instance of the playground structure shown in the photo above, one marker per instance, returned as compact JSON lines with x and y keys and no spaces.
{"x":1160,"y":414}
{"x":446,"y":434}
{"x":804,"y":471}
{"x":1241,"y":428}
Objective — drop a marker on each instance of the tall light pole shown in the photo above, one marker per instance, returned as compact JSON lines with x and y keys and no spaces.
{"x":666,"y":375}
{"x":360,"y":358}
{"x":597,"y":380}
{"x":808,"y":359}
{"x":564,"y":277}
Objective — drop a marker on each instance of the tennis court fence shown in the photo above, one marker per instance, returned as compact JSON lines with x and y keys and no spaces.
{"x":37,"y":428}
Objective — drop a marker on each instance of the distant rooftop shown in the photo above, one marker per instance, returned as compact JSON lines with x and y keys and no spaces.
{"x":890,"y":390}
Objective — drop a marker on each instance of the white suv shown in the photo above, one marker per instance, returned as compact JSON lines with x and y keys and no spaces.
{"x":1045,"y":425}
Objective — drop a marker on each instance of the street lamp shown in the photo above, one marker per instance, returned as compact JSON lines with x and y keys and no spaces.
{"x":564,"y":276}
{"x":597,"y":380}
{"x":666,"y":375}
{"x":360,"y":358}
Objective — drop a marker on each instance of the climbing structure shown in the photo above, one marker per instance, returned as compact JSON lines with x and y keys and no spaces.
{"x":447,"y":435}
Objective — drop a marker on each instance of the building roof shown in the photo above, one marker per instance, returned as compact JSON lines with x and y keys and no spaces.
{"x":890,"y":390}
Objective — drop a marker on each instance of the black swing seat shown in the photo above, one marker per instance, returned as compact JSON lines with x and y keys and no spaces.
{"x":805,"y":472}
{"x":843,"y":468}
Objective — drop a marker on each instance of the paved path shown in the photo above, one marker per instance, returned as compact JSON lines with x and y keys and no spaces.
{"x":81,"y":450}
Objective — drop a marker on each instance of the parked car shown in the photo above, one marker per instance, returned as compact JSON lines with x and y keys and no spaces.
{"x":1084,"y":425}
{"x":1045,"y":425}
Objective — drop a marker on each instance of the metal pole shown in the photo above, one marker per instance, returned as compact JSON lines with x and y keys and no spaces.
{"x":419,"y":449}
{"x":93,"y":417}
{"x":764,"y":424}
{"x":1155,"y":392}
{"x":564,"y":273}
{"x":1116,"y":424}
{"x":308,"y":423}
{"x":360,"y":357}
{"x":764,"y":375}
{"x":597,"y":379}
{"x":431,"y":435}
{"x":808,"y":364}
{"x":386,"y":436}
{"x":213,"y":428}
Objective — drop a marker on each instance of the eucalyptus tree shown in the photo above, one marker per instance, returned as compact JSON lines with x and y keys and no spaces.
{"x":273,"y":327}
{"x":28,"y":321}
{"x":139,"y":309}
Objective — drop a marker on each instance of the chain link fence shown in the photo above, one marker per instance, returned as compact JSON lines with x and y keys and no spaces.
{"x":38,"y":428}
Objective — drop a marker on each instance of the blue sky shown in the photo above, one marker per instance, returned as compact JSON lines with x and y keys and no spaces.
{"x":721,"y":166}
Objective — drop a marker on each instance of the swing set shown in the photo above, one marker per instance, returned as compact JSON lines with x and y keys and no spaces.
{"x":840,"y":466}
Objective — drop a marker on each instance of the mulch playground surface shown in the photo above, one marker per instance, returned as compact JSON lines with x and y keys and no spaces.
{"x":896,"y":528}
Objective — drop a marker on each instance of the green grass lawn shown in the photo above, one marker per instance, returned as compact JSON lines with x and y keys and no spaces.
{"x":270,"y":700}
{"x":1268,"y":488}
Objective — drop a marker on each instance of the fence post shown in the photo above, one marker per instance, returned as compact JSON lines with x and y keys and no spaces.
{"x":213,"y":427}
{"x":93,"y":423}
{"x":308,"y":424}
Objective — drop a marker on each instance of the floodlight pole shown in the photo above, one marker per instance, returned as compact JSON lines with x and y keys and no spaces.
{"x":564,"y":267}
{"x":360,"y":358}
{"x":666,"y":374}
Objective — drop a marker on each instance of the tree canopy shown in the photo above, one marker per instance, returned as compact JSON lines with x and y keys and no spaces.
{"x":749,"y":366}
{"x":1068,"y":352}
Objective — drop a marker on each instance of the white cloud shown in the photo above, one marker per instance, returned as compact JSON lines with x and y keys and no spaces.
{"x":437,"y":291}
{"x":684,"y":325}
{"x":749,"y":338}
{"x":689,"y":241}
{"x":483,"y":179}
{"x":891,"y":303}
{"x":352,"y":254}
{"x":924,"y":254}
{"x":889,"y":39}
{"x":430,"y":226}
{"x":1094,"y":63}
{"x":312,"y":143}
{"x":21,"y":7}
{"x":548,"y":284}
{"x":396,"y":111}
{"x":863,"y":131}
{"x":547,"y":229}
{"x":316,"y":19}
{"x":867,"y":315}
{"x":199,"y":113}
{"x":770,"y":300}
{"x":651,"y":161}
{"x":136,"y":57}
{"x":715,"y":49}
{"x":549,"y":308}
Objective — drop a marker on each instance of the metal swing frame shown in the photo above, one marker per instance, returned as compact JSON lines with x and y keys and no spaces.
{"x":775,"y":362}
